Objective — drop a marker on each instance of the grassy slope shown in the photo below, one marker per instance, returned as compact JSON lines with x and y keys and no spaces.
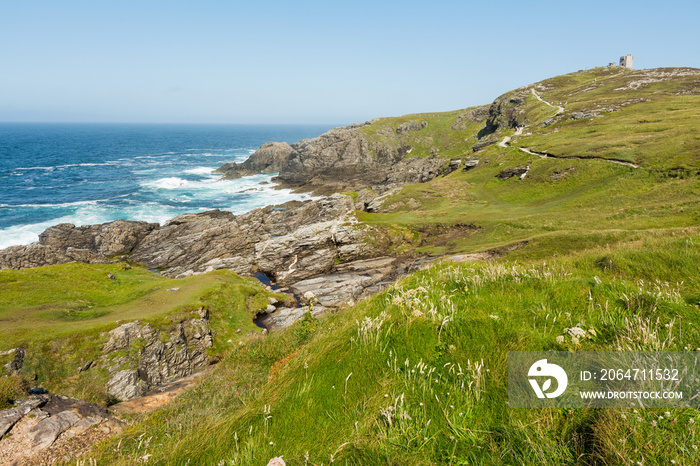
{"x":63,"y":327}
{"x":654,"y":125}
{"x":417,"y":374}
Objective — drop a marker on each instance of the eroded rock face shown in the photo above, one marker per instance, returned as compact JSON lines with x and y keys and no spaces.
{"x":65,"y":243}
{"x":412,"y":125}
{"x":270,"y":158}
{"x":342,"y":159}
{"x":474,"y":115}
{"x":288,"y":242}
{"x":36,"y":423}
{"x":154,"y":357}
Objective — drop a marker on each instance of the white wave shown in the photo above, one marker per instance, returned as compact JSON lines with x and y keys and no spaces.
{"x":201,"y":170}
{"x":172,"y":182}
{"x":27,"y":234}
{"x":70,"y":165}
{"x":36,"y":168}
{"x":88,"y":215}
{"x":62,"y":204}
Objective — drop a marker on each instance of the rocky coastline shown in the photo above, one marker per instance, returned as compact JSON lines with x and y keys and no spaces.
{"x":287,"y":243}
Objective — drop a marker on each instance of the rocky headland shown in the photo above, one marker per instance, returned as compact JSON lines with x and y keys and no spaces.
{"x":343,"y":159}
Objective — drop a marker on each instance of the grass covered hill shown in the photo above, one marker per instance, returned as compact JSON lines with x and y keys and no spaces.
{"x":547,"y":167}
{"x":581,"y":190}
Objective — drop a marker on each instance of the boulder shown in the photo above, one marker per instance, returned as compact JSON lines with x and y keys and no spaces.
{"x":42,"y":421}
{"x":511,"y":172}
{"x":470,"y":163}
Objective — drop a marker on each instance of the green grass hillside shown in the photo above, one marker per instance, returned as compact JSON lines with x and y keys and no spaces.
{"x":60,"y":315}
{"x":647,"y":118}
{"x":418,"y":374}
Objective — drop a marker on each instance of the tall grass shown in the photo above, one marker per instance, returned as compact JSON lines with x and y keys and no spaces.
{"x":430,"y":390}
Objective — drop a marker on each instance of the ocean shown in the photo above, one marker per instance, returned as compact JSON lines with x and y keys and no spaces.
{"x":95,"y":173}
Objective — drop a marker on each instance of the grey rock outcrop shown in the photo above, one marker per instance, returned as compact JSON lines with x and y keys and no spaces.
{"x":343,"y":159}
{"x":65,"y":243}
{"x":154,"y":357}
{"x":505,"y":112}
{"x":511,"y":172}
{"x":270,"y":158}
{"x":39,"y":421}
{"x":9,"y":417}
{"x":412,"y":125}
{"x":470,"y":163}
{"x":18,"y":355}
{"x":286,"y":316}
{"x":347,"y":282}
{"x":473,"y":115}
{"x":288,"y":242}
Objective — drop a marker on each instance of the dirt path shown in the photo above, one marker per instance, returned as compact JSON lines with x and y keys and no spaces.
{"x":506,"y":140}
{"x":559,"y":108}
{"x":545,"y":155}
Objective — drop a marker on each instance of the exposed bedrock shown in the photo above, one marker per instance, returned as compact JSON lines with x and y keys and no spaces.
{"x":287,"y":243}
{"x":342,"y":159}
{"x":67,"y":243}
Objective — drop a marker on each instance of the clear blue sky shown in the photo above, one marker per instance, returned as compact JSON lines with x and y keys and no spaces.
{"x":303,"y":61}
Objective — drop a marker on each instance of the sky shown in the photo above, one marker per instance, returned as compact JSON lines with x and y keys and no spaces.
{"x":325,"y":62}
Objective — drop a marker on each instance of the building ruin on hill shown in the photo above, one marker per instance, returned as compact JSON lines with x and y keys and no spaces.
{"x":626,"y":61}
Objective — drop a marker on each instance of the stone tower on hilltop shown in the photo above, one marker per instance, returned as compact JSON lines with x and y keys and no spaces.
{"x":627,"y":61}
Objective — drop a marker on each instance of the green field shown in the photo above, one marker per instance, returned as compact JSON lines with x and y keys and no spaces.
{"x":60,"y":315}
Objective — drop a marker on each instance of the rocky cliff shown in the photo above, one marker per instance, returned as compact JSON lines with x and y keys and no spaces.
{"x":65,"y":243}
{"x":140,"y":357}
{"x":343,"y":159}
{"x":286,"y":243}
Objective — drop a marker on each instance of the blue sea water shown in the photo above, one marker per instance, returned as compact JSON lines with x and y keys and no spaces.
{"x":94,"y":173}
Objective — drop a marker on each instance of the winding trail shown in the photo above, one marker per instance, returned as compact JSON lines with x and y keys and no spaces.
{"x":545,"y":155}
{"x":506,"y":140}
{"x":559,"y":108}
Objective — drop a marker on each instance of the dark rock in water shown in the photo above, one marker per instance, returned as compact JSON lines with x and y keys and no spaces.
{"x":270,"y":158}
{"x":511,"y":172}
